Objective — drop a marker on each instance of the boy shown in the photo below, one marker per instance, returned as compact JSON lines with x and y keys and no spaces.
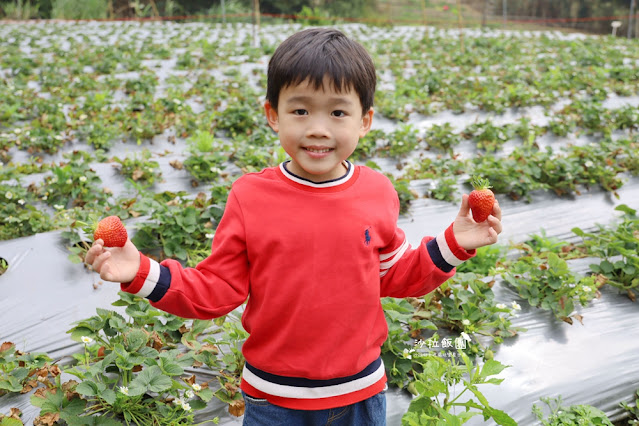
{"x":313,"y":244}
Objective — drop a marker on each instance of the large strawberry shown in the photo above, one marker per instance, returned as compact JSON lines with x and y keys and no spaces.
{"x":481,"y":199}
{"x":112,"y":231}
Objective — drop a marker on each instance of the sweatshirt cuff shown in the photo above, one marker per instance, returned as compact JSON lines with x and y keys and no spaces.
{"x":446,"y":253}
{"x":152,"y":280}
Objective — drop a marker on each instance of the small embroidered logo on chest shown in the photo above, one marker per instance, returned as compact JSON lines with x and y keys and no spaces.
{"x":367,"y":236}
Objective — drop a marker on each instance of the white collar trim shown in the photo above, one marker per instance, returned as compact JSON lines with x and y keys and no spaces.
{"x":350,"y":170}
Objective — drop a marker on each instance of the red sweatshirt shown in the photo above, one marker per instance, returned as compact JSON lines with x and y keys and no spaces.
{"x":313,"y":259}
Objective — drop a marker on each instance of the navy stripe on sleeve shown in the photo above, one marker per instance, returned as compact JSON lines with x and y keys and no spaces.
{"x":163,"y":285}
{"x":437,"y":257}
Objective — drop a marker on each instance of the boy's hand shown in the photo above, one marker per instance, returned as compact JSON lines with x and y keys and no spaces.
{"x":470,"y":234}
{"x":117,"y":264}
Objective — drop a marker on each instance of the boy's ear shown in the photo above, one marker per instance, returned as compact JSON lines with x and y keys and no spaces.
{"x":271,"y":116}
{"x":367,"y":122}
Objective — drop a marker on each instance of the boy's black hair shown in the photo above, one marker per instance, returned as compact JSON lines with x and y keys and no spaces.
{"x":318,"y":52}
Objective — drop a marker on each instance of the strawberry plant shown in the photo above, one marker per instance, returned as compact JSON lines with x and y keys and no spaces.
{"x":443,"y":173}
{"x":442,"y":138}
{"x":74,"y":183}
{"x":205,"y":162}
{"x":405,"y":194}
{"x":402,"y":141}
{"x":484,"y":263}
{"x":139,"y":168}
{"x":437,"y":398}
{"x":367,"y":147}
{"x":132,"y":368}
{"x":488,"y":136}
{"x":256,"y":153}
{"x":466,"y":304}
{"x":177,"y":225}
{"x":617,"y":247}
{"x":562,"y":125}
{"x":632,"y":409}
{"x":20,"y":216}
{"x":544,"y":279}
{"x":592,"y":116}
{"x":527,"y":131}
{"x":402,"y":315}
{"x":19,"y":372}
{"x":241,"y":117}
{"x":561,"y":415}
{"x":626,"y":117}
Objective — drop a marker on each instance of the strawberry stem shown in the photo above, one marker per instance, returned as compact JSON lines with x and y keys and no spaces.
{"x":479,"y":183}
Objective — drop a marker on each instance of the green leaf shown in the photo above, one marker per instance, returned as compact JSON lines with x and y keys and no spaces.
{"x":150,"y":379}
{"x":480,"y":396}
{"x":492,"y":367}
{"x":171,"y":368}
{"x":205,"y":394}
{"x":78,"y":332}
{"x":87,"y":388}
{"x":501,"y":418}
{"x":624,"y":208}
{"x":606,"y":267}
{"x":109,"y":396}
{"x":7,"y":421}
{"x":134,"y":339}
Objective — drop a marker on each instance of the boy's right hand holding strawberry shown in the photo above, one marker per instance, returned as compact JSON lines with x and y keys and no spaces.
{"x":112,"y":254}
{"x":117,"y":264}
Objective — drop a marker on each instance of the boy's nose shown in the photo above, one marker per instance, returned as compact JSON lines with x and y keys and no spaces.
{"x":317,"y":129}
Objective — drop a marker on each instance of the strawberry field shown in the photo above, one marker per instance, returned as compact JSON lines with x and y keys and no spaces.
{"x":152,"y":122}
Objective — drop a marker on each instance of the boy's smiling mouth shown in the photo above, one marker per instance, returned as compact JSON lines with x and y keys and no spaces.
{"x":318,"y":150}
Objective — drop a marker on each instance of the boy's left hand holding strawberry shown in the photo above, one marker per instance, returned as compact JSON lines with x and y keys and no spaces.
{"x":470,"y":234}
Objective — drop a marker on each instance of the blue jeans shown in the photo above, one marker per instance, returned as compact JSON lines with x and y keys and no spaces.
{"x":370,"y":412}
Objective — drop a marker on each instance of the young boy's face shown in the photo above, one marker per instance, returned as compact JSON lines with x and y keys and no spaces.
{"x":318,"y":128}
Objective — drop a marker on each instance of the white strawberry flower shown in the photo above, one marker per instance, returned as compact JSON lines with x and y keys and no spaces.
{"x":197,"y":387}
{"x":124,"y":390}
{"x":516,"y":306}
{"x":465,"y":322}
{"x":500,"y":306}
{"x":86,"y":339}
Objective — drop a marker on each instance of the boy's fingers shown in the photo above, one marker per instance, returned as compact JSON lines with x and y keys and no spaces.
{"x":495,"y":224}
{"x":497,"y":210}
{"x":465,"y":207}
{"x":98,"y":262}
{"x":93,"y":252}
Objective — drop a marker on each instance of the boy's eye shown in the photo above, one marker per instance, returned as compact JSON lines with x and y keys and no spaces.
{"x":300,"y":112}
{"x":339,"y":113}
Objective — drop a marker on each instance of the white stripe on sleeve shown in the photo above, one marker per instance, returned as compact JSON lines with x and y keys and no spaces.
{"x":447,"y":254}
{"x":151,"y":279}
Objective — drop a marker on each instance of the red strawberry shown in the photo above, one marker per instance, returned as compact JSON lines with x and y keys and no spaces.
{"x":112,"y":231}
{"x":481,"y":199}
